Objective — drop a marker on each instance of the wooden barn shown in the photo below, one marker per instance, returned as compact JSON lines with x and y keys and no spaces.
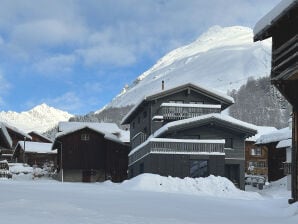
{"x":90,"y":152}
{"x":9,"y":137}
{"x":35,"y":153}
{"x":281,"y":23}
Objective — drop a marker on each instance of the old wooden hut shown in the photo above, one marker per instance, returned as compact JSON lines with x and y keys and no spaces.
{"x":35,"y":153}
{"x":91,"y":152}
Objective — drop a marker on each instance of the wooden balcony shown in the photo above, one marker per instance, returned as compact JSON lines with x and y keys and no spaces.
{"x":178,"y":146}
{"x":179,"y":111}
{"x":285,"y":61}
{"x":138,"y":139}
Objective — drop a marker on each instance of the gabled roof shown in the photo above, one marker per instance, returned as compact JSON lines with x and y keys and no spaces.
{"x":105,"y":127}
{"x":36,"y":147}
{"x":16,"y":130}
{"x":262,"y":28}
{"x":224,"y":99}
{"x":227,"y":121}
{"x":4,"y":130}
{"x":40,"y":135}
{"x":99,"y":129}
{"x":262,"y":130}
{"x":6,"y":137}
{"x":275,"y":136}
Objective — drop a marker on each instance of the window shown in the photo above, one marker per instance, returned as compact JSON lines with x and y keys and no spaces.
{"x":145,"y":130}
{"x":133,"y":125}
{"x":257,"y":164}
{"x":139,"y":120}
{"x":229,"y":143}
{"x":85,"y":137}
{"x":256,"y":151}
{"x":198,"y":168}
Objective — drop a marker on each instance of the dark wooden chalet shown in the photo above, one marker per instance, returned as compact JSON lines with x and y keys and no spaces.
{"x":37,"y":137}
{"x":90,"y":152}
{"x":281,"y":23}
{"x":9,"y":137}
{"x":35,"y":153}
{"x":275,"y":157}
{"x":180,"y":132}
{"x":256,"y":156}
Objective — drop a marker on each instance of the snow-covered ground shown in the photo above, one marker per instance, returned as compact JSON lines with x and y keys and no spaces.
{"x":144,"y":199}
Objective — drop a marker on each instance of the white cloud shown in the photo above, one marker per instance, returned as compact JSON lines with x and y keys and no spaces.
{"x":117,"y":33}
{"x":56,"y":64}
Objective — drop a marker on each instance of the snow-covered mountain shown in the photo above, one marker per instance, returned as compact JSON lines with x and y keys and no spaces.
{"x":40,"y":118}
{"x":221,"y":58}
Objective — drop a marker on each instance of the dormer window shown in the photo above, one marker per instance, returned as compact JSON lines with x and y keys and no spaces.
{"x":85,"y":137}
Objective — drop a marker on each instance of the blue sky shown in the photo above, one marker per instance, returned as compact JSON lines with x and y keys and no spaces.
{"x":77,"y":55}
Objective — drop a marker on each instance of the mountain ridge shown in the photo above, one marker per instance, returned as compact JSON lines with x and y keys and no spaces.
{"x":221,"y":58}
{"x":40,"y":118}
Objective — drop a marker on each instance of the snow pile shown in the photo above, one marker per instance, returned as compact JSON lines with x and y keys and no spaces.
{"x":275,"y":136}
{"x":20,"y":168}
{"x":209,"y":186}
{"x":41,"y":118}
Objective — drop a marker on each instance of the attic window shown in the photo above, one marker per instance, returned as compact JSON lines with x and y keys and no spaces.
{"x":85,"y":137}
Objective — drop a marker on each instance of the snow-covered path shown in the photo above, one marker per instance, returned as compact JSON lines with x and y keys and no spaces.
{"x":47,"y":201}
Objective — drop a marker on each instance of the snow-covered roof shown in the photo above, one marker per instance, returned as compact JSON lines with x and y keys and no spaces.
{"x":215,"y":141}
{"x":5,"y":134}
{"x":105,"y":127}
{"x":4,"y":130}
{"x":284,"y":144}
{"x":250,"y":128}
{"x":153,"y":139}
{"x":36,"y":147}
{"x":275,"y":136}
{"x":197,"y":105}
{"x":210,"y":92}
{"x":98,"y":129}
{"x":16,"y":130}
{"x":273,"y":16}
{"x":40,"y":135}
{"x":262,"y":130}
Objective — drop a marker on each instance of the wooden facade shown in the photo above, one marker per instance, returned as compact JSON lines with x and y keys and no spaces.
{"x":283,"y":28}
{"x":87,"y":155}
{"x":256,"y":159}
{"x":181,"y":119}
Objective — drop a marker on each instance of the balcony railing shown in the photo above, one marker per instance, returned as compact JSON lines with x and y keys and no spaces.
{"x":178,"y":111}
{"x":138,"y":139}
{"x":178,"y":146}
{"x":287,"y":168}
{"x":285,"y":60}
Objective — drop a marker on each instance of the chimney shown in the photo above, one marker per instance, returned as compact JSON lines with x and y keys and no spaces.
{"x":162,"y":85}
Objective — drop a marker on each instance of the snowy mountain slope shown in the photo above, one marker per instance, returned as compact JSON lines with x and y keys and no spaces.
{"x":40,"y":118}
{"x":221,"y":58}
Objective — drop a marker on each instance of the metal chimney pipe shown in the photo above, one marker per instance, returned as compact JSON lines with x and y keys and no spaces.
{"x":162,"y":85}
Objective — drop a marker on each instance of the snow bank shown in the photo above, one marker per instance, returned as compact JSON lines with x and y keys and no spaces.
{"x":209,"y":186}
